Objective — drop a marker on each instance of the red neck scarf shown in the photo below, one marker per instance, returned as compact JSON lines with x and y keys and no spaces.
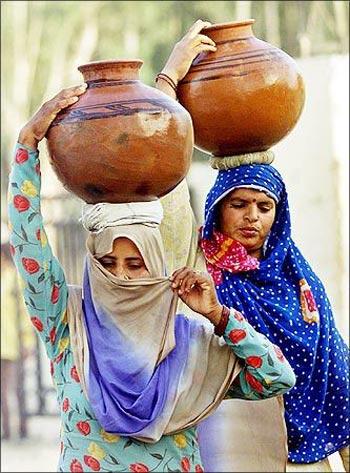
{"x":224,"y":253}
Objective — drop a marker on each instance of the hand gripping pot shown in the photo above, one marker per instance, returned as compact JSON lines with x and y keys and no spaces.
{"x":244,"y":97}
{"x":123,"y":141}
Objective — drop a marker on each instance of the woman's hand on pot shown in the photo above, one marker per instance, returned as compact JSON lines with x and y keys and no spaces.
{"x":196,"y":289}
{"x":184,"y":51}
{"x":35,"y":130}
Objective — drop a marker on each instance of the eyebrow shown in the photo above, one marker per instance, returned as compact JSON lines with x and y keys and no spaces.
{"x":249,"y":200}
{"x":129,"y":258}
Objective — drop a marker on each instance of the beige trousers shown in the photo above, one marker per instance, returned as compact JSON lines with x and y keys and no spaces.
{"x":345,"y":453}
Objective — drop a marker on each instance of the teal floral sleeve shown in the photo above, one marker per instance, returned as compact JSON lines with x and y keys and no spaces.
{"x":45,"y":291}
{"x":266,"y":372}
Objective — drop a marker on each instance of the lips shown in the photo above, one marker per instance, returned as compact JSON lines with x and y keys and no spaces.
{"x":249,"y":232}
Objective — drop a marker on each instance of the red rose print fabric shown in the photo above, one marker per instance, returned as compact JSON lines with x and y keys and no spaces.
{"x":222,"y":253}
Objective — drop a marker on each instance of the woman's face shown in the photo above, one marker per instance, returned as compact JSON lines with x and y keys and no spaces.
{"x":125,"y":260}
{"x":247,"y":215}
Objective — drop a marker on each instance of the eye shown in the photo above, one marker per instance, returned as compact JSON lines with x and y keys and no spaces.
{"x":107,"y":263}
{"x":237,"y":205}
{"x":135,"y":266}
{"x":265,"y":208}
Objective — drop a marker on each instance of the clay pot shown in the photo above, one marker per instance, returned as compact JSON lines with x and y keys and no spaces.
{"x":123,"y":141}
{"x":244,"y":97}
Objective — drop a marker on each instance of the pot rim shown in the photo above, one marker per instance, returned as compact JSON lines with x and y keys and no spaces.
{"x":229,"y":24}
{"x":108,"y":63}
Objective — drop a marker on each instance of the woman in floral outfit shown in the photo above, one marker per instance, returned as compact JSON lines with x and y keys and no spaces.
{"x":85,"y":445}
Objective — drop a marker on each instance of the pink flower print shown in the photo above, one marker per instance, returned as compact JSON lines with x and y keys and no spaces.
{"x":76,"y":466}
{"x":253,"y":382}
{"x":254,"y":361}
{"x":185,"y":465}
{"x":21,"y":156}
{"x":37,"y":323}
{"x":138,"y":468}
{"x":236,"y":335}
{"x":21,"y":203}
{"x":279,"y":353}
{"x":30,"y":265}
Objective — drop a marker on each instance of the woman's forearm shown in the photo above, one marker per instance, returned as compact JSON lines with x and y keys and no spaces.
{"x":182,"y":55}
{"x":45,"y":289}
{"x":266,"y":372}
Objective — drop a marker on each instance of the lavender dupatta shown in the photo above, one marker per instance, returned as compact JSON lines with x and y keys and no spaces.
{"x":149,"y":371}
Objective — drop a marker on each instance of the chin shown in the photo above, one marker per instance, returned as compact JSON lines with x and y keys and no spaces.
{"x":246,"y":242}
{"x":252,"y":250}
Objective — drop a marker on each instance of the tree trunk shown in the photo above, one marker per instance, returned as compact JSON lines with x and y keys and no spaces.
{"x":341,"y":14}
{"x":88,"y":41}
{"x":243,"y":10}
{"x":272,"y":24}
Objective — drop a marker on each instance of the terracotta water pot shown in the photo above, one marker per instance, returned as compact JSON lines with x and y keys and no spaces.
{"x":123,"y":141}
{"x":244,"y":97}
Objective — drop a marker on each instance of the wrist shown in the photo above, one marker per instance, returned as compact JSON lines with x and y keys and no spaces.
{"x":26,"y":137}
{"x":171,"y":73}
{"x":221,"y":326}
{"x":215,"y":315}
{"x":166,"y":84}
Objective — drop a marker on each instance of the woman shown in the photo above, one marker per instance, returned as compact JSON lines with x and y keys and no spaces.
{"x":247,"y":245}
{"x":282,"y":298}
{"x":132,"y":378}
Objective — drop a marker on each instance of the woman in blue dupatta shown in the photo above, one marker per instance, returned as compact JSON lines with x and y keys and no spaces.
{"x":247,"y":245}
{"x":284,"y":299}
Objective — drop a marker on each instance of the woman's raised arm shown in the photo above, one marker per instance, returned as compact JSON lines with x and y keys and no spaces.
{"x":182,"y":56}
{"x":45,"y":290}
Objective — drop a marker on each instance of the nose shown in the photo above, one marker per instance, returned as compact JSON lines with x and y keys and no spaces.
{"x":120,"y":273}
{"x":252,"y":214}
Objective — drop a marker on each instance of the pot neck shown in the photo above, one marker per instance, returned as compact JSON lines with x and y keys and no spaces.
{"x":230,"y":31}
{"x":111,"y":70}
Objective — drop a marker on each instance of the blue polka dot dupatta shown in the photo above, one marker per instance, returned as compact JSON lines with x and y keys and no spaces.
{"x":286,"y":301}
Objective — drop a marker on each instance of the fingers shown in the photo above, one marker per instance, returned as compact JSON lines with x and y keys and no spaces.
{"x":201,"y":38}
{"x":201,"y":42}
{"x":64,"y":99}
{"x":197,"y":27}
{"x":204,"y":47}
{"x":178,"y":274}
{"x":184,"y":279}
{"x":188,"y":283}
{"x":71,"y":92}
{"x":65,"y":102}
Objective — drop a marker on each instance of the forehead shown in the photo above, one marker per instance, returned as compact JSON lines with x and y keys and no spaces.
{"x":252,"y":195}
{"x":123,"y":247}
